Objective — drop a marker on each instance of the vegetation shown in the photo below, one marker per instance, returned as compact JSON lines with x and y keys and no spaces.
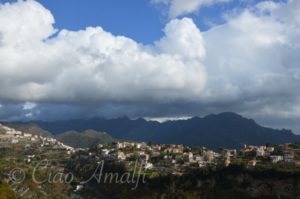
{"x":6,"y":192}
{"x":85,"y":139}
{"x":232,"y":182}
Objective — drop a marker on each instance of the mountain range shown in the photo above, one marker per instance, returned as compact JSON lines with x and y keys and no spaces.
{"x":227,"y":129}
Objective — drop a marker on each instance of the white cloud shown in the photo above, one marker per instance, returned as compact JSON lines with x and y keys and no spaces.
{"x":177,"y":41}
{"x":31,"y":23}
{"x":29,"y":106}
{"x":256,"y":47}
{"x":251,"y":59}
{"x":164,"y":119}
{"x":93,"y":65}
{"x":182,"y":7}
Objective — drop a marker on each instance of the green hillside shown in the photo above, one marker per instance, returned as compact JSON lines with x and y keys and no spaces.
{"x":84,"y":139}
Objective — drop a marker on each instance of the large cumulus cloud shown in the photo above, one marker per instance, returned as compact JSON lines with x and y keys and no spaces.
{"x":93,"y":64}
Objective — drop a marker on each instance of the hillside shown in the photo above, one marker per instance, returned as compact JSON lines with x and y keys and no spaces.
{"x":88,"y":138}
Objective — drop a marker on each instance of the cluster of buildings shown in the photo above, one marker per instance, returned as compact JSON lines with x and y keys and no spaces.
{"x":11,"y":136}
{"x":177,"y":159}
{"x":285,"y":154}
{"x":157,"y":157}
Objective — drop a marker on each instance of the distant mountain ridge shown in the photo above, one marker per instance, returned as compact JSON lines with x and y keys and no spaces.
{"x":226,"y":129}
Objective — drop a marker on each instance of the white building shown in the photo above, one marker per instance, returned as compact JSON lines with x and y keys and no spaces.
{"x":148,"y":165}
{"x":288,"y":157}
{"x":14,"y":141}
{"x":260,"y":152}
{"x":27,"y":135}
{"x":276,"y":158}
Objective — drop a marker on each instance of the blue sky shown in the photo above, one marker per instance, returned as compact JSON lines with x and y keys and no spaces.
{"x":136,"y":19}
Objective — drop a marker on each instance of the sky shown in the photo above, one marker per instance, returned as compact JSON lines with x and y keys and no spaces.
{"x":153,"y":59}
